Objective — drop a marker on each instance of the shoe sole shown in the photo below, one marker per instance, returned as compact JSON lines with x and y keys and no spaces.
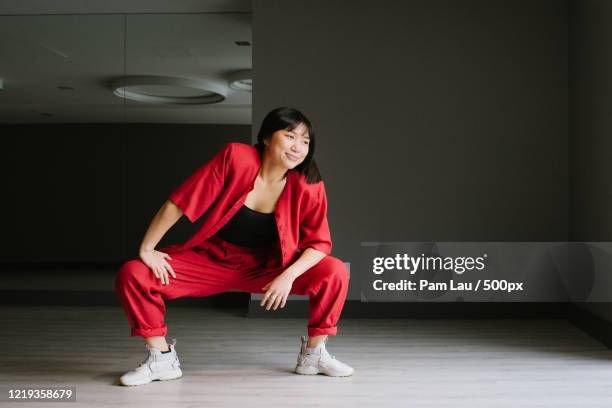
{"x":167,"y":376}
{"x":310,"y":370}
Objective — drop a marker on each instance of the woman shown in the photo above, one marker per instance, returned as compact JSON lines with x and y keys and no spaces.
{"x":266,"y":232}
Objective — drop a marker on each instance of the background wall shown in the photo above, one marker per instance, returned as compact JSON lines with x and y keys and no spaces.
{"x":85,"y":194}
{"x":591,"y":126}
{"x":436,"y":119}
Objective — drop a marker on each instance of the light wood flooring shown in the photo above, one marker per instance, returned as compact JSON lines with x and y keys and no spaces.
{"x":232,"y":361}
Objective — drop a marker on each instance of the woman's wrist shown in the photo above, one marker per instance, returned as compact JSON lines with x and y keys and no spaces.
{"x":145,"y":249}
{"x":291,"y":273}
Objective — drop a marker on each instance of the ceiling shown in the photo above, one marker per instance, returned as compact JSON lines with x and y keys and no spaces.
{"x":85,"y":45}
{"x":30,"y":7}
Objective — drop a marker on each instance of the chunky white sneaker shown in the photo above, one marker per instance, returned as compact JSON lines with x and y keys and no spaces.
{"x":157,"y":366}
{"x":318,"y":360}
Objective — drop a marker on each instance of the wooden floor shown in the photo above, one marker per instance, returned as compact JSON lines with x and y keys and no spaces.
{"x":232,"y":361}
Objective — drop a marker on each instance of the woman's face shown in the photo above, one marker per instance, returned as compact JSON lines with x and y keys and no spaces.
{"x":288,"y":148}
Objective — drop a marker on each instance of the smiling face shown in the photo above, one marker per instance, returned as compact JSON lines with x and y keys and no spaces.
{"x":288,"y":148}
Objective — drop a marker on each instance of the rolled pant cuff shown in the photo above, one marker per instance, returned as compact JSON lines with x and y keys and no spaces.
{"x":159,"y":331}
{"x":330,"y":331}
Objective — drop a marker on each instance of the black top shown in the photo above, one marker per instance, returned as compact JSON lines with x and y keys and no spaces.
{"x":250,"y":228}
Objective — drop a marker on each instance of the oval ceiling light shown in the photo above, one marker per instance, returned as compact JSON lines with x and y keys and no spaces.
{"x":169,"y":90}
{"x":241,"y":81}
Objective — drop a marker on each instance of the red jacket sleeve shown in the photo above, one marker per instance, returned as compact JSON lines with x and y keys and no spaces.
{"x":197,"y":193}
{"x":314,"y":228}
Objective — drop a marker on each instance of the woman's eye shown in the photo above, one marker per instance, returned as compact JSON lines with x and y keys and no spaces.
{"x":291,"y":136}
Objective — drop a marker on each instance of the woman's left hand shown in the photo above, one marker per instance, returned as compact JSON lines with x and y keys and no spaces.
{"x":277,"y":291}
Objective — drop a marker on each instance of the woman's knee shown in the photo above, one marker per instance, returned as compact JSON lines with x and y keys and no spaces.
{"x":336,"y":269}
{"x":131,"y":271}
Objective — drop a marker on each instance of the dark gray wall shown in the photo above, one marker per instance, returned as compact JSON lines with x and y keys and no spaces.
{"x":436,"y":120}
{"x":86,"y":193}
{"x":591,"y":126}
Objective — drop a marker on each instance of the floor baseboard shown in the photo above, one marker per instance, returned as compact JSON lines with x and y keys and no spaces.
{"x":595,"y":326}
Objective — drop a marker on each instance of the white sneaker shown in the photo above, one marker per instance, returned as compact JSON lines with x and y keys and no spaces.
{"x":157,"y":366}
{"x":317,"y":360}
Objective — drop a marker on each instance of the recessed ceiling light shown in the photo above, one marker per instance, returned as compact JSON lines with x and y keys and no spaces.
{"x":241,"y":80}
{"x":169,"y":90}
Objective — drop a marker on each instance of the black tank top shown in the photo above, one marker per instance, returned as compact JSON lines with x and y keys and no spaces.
{"x":250,"y":228}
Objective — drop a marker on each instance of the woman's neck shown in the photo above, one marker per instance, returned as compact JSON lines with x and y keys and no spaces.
{"x":271,"y":174}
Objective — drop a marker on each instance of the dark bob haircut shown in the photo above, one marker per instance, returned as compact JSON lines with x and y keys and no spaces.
{"x":285,"y":118}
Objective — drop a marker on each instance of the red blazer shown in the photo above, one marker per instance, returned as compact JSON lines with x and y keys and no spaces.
{"x":222,"y":185}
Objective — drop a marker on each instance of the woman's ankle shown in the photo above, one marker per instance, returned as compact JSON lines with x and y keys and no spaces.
{"x":315,"y":341}
{"x":158,"y":342}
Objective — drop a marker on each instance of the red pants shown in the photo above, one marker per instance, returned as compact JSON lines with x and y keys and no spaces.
{"x":218,"y":266}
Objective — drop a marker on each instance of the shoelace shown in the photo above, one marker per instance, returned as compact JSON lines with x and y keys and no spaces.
{"x":140,"y":364}
{"x":149,"y":348}
{"x":172,"y":343}
{"x":332,"y":356}
{"x":326,"y":352}
{"x":324,"y":342}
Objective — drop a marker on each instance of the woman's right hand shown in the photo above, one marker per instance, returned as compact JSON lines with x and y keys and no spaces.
{"x":156,"y":261}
